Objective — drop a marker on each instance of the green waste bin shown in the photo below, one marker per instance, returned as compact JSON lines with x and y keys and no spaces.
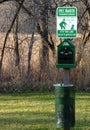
{"x":64,"y":106}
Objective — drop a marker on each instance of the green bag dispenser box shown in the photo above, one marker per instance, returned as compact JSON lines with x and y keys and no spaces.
{"x":66,"y":54}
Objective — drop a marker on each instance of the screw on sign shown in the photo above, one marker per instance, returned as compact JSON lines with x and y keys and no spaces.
{"x":66,"y":22}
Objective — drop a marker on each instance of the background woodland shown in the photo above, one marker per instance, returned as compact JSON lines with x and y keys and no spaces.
{"x":28,"y":45}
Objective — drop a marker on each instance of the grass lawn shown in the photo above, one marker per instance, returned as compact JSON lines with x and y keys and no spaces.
{"x":36,"y":111}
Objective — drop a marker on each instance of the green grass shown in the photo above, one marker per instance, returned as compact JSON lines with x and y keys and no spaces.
{"x":36,"y":111}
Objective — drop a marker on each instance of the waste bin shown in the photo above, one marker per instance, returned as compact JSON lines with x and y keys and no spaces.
{"x":64,"y":105}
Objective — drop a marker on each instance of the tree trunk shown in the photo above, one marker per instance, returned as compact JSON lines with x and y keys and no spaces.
{"x":43,"y":31}
{"x":29,"y":58}
{"x":15,"y":35}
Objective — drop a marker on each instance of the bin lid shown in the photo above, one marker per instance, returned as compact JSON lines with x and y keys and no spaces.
{"x":56,"y":85}
{"x":63,"y":85}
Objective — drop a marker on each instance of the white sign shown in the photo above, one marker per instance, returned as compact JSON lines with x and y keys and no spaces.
{"x":66,"y":22}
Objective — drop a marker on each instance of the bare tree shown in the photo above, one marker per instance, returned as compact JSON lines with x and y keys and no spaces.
{"x":7,"y":34}
{"x":84,"y":25}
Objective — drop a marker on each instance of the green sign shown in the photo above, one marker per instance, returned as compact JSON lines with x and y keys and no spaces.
{"x":66,"y":22}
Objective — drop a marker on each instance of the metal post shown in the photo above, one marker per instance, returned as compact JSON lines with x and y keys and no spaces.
{"x":66,"y":81}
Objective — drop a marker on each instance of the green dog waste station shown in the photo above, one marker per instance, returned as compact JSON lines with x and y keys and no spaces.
{"x":65,"y":93}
